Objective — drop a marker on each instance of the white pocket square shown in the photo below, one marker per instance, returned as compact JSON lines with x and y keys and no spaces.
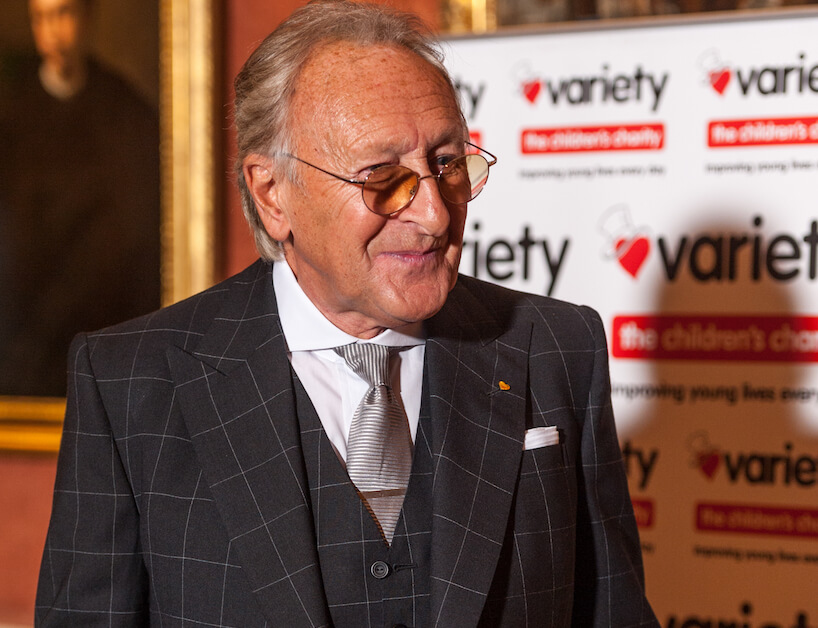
{"x":541,"y":437}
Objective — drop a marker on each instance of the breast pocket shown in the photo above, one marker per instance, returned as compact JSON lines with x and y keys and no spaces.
{"x":541,"y":542}
{"x":542,"y":460}
{"x":546,"y":491}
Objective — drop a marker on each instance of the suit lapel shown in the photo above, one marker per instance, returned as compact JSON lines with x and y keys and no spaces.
{"x":236,"y":396}
{"x":478,"y":378}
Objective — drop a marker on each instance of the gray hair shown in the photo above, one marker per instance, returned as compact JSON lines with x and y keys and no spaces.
{"x":266,"y":83}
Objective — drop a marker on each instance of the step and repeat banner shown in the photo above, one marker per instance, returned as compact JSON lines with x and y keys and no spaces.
{"x":667,"y":175}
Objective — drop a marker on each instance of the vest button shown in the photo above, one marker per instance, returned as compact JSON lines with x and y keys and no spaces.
{"x":379,"y":569}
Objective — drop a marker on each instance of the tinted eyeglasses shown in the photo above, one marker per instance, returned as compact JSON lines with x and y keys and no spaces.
{"x":389,"y":189}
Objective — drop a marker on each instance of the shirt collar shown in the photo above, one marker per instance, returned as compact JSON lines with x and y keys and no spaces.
{"x":307,"y":329}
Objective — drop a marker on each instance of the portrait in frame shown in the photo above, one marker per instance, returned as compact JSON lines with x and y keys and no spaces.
{"x":90,"y":232}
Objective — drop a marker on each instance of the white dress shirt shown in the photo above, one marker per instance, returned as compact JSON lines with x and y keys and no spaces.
{"x":334,"y":389}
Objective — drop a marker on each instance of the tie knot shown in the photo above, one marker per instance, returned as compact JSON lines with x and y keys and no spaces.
{"x":368,"y":360}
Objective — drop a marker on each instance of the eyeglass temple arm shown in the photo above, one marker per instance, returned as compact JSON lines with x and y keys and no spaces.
{"x":332,"y":174}
{"x":358,"y":182}
{"x":483,"y":150}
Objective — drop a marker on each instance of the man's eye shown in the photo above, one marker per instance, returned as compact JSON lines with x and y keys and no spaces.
{"x":440,"y":162}
{"x":369,"y":170}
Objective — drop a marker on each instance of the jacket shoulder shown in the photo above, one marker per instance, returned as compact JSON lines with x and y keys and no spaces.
{"x":145,"y":339}
{"x":514,"y":307}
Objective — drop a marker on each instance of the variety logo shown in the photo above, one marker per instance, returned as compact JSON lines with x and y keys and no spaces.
{"x":708,"y":460}
{"x":766,"y":80}
{"x":719,"y":79}
{"x":531,"y":90}
{"x":770,"y":468}
{"x":625,"y":242}
{"x":606,"y":86}
{"x":514,"y":257}
{"x":712,"y":257}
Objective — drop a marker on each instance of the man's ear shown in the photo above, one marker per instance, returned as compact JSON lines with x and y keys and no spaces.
{"x":266,"y":189}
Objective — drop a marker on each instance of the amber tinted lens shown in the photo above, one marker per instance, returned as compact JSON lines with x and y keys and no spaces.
{"x":389,"y":189}
{"x":463,"y":178}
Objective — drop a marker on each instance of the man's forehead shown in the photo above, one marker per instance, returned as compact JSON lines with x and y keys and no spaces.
{"x":350,"y":84}
{"x":345,"y":67}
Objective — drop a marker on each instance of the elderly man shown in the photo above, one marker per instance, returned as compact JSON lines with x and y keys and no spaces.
{"x":347,"y":433}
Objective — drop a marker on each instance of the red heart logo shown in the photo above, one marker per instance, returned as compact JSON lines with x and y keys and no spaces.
{"x":709,"y":462}
{"x":632,"y":253}
{"x":719,"y":79}
{"x":531,"y":89}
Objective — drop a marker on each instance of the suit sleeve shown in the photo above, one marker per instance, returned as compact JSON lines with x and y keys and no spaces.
{"x":609,"y":580}
{"x":92,"y":572}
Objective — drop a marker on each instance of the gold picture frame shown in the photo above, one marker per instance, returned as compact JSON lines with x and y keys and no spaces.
{"x":188,"y":186}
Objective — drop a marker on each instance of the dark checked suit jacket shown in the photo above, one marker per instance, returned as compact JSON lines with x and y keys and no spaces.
{"x":181,"y":495}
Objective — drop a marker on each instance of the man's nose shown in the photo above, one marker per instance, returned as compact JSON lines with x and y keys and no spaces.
{"x":428,"y":209}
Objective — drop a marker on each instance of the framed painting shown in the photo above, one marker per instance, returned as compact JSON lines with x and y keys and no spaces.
{"x":106,"y":183}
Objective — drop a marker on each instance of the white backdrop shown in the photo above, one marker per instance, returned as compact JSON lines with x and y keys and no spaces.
{"x":665,"y":173}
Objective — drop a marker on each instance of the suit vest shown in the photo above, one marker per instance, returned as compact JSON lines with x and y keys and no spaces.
{"x":368,"y":583}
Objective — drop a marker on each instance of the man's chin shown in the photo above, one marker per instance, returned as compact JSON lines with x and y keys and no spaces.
{"x":415,"y":311}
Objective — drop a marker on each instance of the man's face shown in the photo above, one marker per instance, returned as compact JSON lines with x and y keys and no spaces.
{"x":59,"y":28}
{"x":356,"y":108}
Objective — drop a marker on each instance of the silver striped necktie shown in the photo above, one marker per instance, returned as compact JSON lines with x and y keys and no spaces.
{"x":379,"y":450}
